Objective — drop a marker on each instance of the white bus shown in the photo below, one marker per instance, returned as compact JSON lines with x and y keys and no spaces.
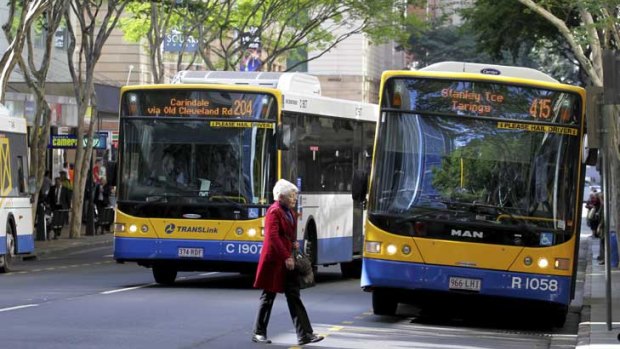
{"x":328,"y":141}
{"x":16,"y":225}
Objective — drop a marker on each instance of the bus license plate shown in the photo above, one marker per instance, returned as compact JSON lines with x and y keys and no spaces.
{"x":465,"y":284}
{"x":191,"y":252}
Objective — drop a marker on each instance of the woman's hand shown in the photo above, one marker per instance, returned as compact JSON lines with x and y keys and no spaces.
{"x":290,"y":263}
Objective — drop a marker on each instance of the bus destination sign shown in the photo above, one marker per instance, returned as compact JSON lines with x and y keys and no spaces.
{"x":201,"y":107}
{"x":168,"y":102}
{"x":476,"y":98}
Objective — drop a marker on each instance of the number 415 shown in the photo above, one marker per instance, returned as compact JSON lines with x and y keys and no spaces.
{"x":540,"y":108}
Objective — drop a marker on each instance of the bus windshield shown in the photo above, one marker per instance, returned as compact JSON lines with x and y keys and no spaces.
{"x":196,"y":162}
{"x":437,"y":162}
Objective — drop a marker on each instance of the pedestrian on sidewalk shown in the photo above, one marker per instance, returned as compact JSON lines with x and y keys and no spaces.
{"x":275,"y":273}
{"x":59,"y":198}
{"x":594,"y":212}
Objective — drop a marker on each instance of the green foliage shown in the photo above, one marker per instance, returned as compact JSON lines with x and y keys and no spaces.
{"x":285,"y":26}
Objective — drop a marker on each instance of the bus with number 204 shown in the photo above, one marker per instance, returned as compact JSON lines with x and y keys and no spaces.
{"x":475,"y":187}
{"x":199,"y":158}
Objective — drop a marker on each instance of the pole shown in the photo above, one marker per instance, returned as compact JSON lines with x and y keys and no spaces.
{"x":606,"y":209}
{"x":90,"y":214}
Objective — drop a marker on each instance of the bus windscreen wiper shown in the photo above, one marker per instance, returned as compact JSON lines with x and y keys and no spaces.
{"x":498,"y":209}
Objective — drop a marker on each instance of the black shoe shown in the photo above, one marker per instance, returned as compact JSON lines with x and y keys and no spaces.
{"x":259,"y":338}
{"x":310,"y":339}
{"x":599,"y":258}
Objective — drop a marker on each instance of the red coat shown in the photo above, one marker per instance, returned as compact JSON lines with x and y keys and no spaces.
{"x":277,"y":247}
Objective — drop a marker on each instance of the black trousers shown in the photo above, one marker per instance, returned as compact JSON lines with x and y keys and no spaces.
{"x":295,"y":307}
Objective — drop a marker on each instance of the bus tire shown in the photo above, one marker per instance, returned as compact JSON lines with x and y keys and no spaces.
{"x":6,"y":260}
{"x":311,"y":246}
{"x":164,"y":275}
{"x":383,"y":303}
{"x":352,"y":269}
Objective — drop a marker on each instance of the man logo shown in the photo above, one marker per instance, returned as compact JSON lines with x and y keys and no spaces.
{"x":468,"y":233}
{"x":170,"y":228}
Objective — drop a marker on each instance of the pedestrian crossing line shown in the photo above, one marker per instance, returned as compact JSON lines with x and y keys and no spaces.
{"x":335,"y":328}
{"x":347,"y":322}
{"x":300,"y":347}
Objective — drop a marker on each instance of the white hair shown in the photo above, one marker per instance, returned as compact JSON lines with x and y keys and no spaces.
{"x":283,"y":187}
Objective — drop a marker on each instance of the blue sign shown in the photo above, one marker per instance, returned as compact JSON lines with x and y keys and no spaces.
{"x":174,"y":40}
{"x":100,"y":141}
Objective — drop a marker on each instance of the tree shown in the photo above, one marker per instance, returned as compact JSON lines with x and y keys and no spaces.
{"x":587,"y":27}
{"x":282,"y":26}
{"x":510,"y":34}
{"x":95,"y":21}
{"x":35,"y":78}
{"x":154,"y":21}
{"x":15,"y":31}
{"x":447,"y":43}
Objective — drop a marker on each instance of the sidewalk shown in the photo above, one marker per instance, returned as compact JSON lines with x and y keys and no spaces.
{"x":42,"y":248}
{"x":593,"y":332}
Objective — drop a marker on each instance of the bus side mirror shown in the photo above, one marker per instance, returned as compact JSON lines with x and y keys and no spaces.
{"x":284,"y":137}
{"x":590,"y":155}
{"x":592,"y":139}
{"x":360,"y":185}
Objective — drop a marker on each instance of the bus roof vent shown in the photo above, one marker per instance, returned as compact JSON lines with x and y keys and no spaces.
{"x":489,"y":69}
{"x":286,"y":82}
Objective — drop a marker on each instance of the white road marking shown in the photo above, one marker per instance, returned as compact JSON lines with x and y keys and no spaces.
{"x":19,"y":307}
{"x":126,"y":289}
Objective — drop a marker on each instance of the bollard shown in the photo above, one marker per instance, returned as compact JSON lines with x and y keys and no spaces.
{"x":613,"y":240}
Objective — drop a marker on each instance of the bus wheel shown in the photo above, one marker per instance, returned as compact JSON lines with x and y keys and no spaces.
{"x":383,"y":303}
{"x":310,"y":248}
{"x":6,"y":260}
{"x":163,"y":275}
{"x":352,"y":269}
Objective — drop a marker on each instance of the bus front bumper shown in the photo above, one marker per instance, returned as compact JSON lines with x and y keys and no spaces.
{"x":139,"y":249}
{"x":377,"y":273}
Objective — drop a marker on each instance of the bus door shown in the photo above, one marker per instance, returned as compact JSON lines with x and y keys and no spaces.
{"x":362,"y":149}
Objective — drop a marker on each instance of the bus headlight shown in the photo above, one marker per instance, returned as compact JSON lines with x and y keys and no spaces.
{"x":252,"y":232}
{"x":119,"y":227}
{"x":262,"y":231}
{"x":133,"y":228}
{"x":144,"y":228}
{"x":239,"y":231}
{"x":527,"y":261}
{"x":373,"y":246}
{"x":543,"y":263}
{"x":391,"y":249}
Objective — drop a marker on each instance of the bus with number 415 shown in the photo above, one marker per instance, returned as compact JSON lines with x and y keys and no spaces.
{"x":475,"y":187}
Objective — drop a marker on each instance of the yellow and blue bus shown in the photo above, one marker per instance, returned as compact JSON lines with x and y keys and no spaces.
{"x":199,"y":158}
{"x":475,"y":187}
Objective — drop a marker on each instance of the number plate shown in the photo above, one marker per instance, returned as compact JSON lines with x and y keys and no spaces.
{"x":191,"y":252}
{"x":465,"y":284}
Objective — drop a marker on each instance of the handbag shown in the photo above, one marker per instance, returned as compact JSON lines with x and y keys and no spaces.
{"x":303,"y":267}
